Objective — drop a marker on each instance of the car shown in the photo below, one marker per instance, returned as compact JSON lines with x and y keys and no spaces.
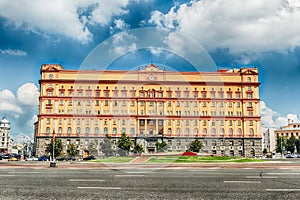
{"x":13,"y":159}
{"x":90,"y":158}
{"x":70,"y":158}
{"x":43,"y":158}
{"x":32,"y":158}
{"x":5,"y":156}
{"x":291,"y":156}
{"x":60,"y":158}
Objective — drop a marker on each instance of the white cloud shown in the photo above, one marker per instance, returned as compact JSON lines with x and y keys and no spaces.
{"x":252,"y":26}
{"x":123,"y":42}
{"x":67,"y":18}
{"x":8,"y":102}
{"x":271,"y":118}
{"x":28,"y":94}
{"x":13,"y":52}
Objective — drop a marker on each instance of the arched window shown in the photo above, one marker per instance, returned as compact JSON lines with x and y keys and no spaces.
{"x":114,"y":130}
{"x":248,"y":79}
{"x":213,"y":131}
{"x":251,"y":131}
{"x":169,"y":131}
{"x":96,"y":130}
{"x":204,"y":131}
{"x":48,"y":130}
{"x":50,"y":76}
{"x":69,"y":130}
{"x":132,"y":131}
{"x":105,"y":130}
{"x":230,"y":131}
{"x":222,"y":131}
{"x":178,"y":131}
{"x":60,"y":130}
{"x":239,"y":132}
{"x":87,"y":130}
{"x":187,"y":131}
{"x":195,"y":131}
{"x":151,"y":131}
{"x":78,"y":130}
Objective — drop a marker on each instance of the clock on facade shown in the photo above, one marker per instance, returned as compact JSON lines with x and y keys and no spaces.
{"x":151,"y":77}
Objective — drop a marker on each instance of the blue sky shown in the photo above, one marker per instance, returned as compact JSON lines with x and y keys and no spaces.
{"x":234,"y":33}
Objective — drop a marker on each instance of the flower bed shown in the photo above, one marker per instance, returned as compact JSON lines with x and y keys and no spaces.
{"x":188,"y":153}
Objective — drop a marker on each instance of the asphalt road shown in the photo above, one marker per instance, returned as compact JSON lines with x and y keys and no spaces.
{"x":209,"y":183}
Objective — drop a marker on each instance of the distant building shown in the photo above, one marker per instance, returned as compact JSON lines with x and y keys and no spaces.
{"x":6,"y":142}
{"x":288,"y":130}
{"x":269,"y":139}
{"x":222,"y":109}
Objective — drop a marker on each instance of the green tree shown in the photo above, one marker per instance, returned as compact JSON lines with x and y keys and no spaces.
{"x":280,"y":144}
{"x":124,"y":145}
{"x":92,"y":148}
{"x":58,"y":147}
{"x":291,"y":144}
{"x":161,"y":146}
{"x":195,"y":146}
{"x":138,"y":148}
{"x":72,"y":149}
{"x":106,"y":147}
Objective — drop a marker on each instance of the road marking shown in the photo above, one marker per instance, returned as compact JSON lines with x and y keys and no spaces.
{"x":139,"y":172}
{"x":283,"y":190}
{"x":203,"y":170}
{"x":261,"y":176}
{"x":284,"y":173}
{"x":6,"y":175}
{"x":88,"y":180}
{"x":129,"y":175}
{"x":24,"y":172}
{"x":101,"y":188}
{"x":242,"y":182}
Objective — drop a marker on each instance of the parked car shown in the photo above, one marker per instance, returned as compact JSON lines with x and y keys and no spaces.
{"x":61,"y":158}
{"x":90,"y":158}
{"x":291,"y":156}
{"x":5,"y":156}
{"x":70,"y":158}
{"x":13,"y":159}
{"x":32,"y":158}
{"x":43,"y":158}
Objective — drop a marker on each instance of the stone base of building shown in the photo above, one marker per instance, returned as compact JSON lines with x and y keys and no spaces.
{"x":247,"y":147}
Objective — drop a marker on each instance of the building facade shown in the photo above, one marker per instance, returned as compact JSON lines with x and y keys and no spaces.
{"x":287,"y":131}
{"x":6,"y":142}
{"x":222,"y":109}
{"x":269,"y":139}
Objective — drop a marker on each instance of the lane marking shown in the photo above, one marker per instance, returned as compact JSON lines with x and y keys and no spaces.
{"x":88,"y":180}
{"x":6,"y":175}
{"x":129,"y":175}
{"x":284,"y":173}
{"x":202,"y":170}
{"x":24,"y":172}
{"x":101,"y":188}
{"x":242,"y":181}
{"x":283,"y":190}
{"x":261,"y":176}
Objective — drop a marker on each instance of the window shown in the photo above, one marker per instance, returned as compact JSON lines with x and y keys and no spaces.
{"x":169,"y":131}
{"x":96,"y":130}
{"x":48,"y":130}
{"x":106,"y":103}
{"x":239,"y":132}
{"x":195,"y":131}
{"x":178,"y":131}
{"x":230,"y":131}
{"x":187,"y":131}
{"x":69,"y":130}
{"x":105,"y":130}
{"x":151,"y":131}
{"x":248,"y":79}
{"x":87,"y":130}
{"x":60,"y":130}
{"x":78,"y":130}
{"x":222,"y":131}
{"x":213,"y":132}
{"x":250,"y":123}
{"x":151,"y":123}
{"x":249,"y":96}
{"x":160,"y":122}
{"x":50,"y":76}
{"x":251,"y":131}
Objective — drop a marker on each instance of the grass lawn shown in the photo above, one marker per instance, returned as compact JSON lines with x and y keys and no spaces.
{"x":115,"y":159}
{"x":193,"y":159}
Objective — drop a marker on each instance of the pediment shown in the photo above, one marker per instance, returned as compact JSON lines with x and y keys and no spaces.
{"x":51,"y":67}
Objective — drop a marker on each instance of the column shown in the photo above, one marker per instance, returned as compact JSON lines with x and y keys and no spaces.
{"x":156,"y":126}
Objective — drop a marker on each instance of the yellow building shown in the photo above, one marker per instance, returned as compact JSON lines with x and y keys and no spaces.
{"x":222,"y":109}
